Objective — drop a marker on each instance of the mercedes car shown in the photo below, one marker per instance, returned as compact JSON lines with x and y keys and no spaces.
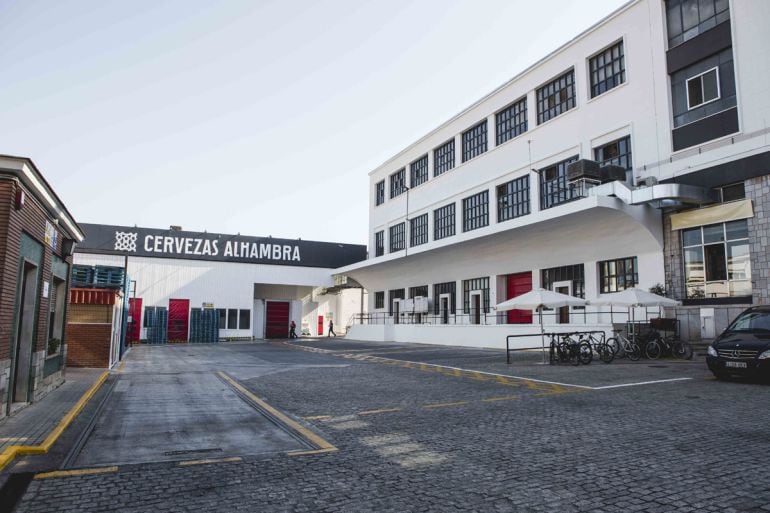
{"x":743,"y":349}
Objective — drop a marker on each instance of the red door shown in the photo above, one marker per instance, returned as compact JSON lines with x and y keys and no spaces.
{"x":133,"y":333}
{"x":277,"y":319}
{"x":320,"y":325}
{"x":518,"y":284}
{"x":178,"y":319}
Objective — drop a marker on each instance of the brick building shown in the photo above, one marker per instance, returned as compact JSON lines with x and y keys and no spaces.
{"x":94,"y":327}
{"x":37,"y":238}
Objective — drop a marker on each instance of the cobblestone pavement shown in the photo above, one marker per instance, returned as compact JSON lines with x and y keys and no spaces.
{"x":413,"y":436}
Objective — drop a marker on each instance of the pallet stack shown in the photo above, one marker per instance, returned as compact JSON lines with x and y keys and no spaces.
{"x":204,"y":325}
{"x":156,"y":322}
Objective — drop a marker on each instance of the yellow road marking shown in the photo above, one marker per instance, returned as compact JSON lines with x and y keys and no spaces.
{"x":384,"y":410}
{"x":76,"y":472}
{"x":209,"y":461}
{"x":311,"y":437}
{"x":506,"y":398}
{"x":445,"y":405}
{"x":314,"y":451}
{"x":14,"y":450}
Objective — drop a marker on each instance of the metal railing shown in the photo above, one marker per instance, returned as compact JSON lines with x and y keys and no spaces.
{"x":460,"y":317}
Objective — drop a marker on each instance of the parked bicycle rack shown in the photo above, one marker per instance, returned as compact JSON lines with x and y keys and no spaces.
{"x":545,"y":335}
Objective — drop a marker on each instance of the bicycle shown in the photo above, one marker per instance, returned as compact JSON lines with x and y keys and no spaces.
{"x":569,"y":350}
{"x":627,"y":348}
{"x":658,"y":345}
{"x":599,"y":346}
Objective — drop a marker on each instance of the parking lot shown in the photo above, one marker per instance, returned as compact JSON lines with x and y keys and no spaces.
{"x":411,"y":428}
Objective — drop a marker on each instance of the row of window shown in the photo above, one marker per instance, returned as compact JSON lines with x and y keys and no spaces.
{"x":614,"y":276}
{"x":234,"y":319}
{"x":606,"y":71}
{"x":513,"y":200}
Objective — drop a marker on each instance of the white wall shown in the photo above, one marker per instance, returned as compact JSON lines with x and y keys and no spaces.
{"x":342,"y":306}
{"x":225,"y":284}
{"x":466,"y":336}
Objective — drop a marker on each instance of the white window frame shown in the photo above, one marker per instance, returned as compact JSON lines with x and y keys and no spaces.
{"x":687,"y":88}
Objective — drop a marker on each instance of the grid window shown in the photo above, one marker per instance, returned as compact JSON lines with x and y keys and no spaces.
{"x":476,"y":284}
{"x":571,"y":273}
{"x":379,"y":299}
{"x":394,"y":294}
{"x":397,"y":237}
{"x":617,"y":275}
{"x":736,"y":191}
{"x":222,"y":318}
{"x":554,"y":188}
{"x":450,"y":288}
{"x":244,"y":319}
{"x":688,"y":18}
{"x":379,"y":192}
{"x":511,"y":121}
{"x":476,"y":211}
{"x":475,"y":141}
{"x":703,"y":88}
{"x":616,"y":153}
{"x":419,"y":291}
{"x":418,"y":171}
{"x":608,"y":69}
{"x":397,"y":182}
{"x":379,"y":243}
{"x":513,"y":199}
{"x":232,"y":319}
{"x":444,"y":157}
{"x":717,"y":260}
{"x":556,"y":97}
{"x":418,"y":230}
{"x":444,"y":222}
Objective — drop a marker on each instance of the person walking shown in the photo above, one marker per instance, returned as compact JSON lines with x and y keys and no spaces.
{"x":293,"y":330}
{"x":331,"y":329}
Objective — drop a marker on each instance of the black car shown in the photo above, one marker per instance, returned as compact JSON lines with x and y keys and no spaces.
{"x":743,"y":349}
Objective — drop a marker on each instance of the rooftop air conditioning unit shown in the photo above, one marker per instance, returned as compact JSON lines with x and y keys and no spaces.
{"x":649,"y":181}
{"x":613,"y":173}
{"x":584,"y":168}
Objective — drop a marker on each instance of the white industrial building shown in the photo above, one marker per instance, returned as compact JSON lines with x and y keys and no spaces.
{"x":637,"y":154}
{"x":257,"y":284}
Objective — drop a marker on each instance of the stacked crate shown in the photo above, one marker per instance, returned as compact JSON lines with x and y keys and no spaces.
{"x":204,"y":325}
{"x":156,"y":322}
{"x":98,"y":276}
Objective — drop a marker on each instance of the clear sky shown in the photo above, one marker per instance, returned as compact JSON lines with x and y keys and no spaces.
{"x":258,"y":117}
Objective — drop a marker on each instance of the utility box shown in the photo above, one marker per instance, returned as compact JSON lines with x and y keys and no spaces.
{"x":406,"y":306}
{"x":707,"y":325}
{"x":421,"y":304}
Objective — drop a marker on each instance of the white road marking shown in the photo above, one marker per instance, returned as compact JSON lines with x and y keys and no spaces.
{"x":641,"y":383}
{"x":486,"y":373}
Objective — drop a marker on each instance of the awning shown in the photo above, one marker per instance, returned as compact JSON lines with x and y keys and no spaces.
{"x":722,"y":213}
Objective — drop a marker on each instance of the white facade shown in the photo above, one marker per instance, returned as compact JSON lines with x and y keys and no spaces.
{"x":603,"y":226}
{"x":237,"y":286}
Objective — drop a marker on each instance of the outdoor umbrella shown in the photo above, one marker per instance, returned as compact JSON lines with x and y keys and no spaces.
{"x":537,"y":299}
{"x":634,"y":297}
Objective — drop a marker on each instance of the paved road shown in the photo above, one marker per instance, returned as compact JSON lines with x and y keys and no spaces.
{"x":445,"y":429}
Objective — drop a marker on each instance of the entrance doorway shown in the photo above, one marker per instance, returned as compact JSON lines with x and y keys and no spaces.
{"x":134,"y":318}
{"x":562,"y":315}
{"x":516,"y":285}
{"x":277,"y":319}
{"x":178,"y":319}
{"x":475,"y":307}
{"x":444,"y":308}
{"x":25,"y":333}
{"x":396,"y":311}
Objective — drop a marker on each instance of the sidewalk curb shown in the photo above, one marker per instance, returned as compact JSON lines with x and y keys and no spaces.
{"x":15,"y":450}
